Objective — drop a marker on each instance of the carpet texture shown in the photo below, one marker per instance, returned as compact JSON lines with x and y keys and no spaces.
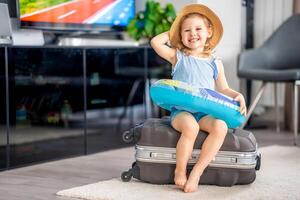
{"x":278,"y":178}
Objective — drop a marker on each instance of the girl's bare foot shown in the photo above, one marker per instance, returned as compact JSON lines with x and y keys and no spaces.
{"x":180,"y":178}
{"x":192,"y":183}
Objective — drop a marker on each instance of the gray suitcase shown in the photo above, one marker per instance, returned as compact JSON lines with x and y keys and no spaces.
{"x":235,"y":163}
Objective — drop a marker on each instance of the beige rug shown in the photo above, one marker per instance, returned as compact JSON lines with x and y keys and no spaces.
{"x":278,"y":178}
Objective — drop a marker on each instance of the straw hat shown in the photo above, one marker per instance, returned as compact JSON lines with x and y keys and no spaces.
{"x":175,"y":37}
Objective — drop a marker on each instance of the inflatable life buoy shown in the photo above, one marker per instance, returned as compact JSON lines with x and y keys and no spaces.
{"x":170,"y":94}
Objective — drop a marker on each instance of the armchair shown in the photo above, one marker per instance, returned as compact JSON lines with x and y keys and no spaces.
{"x":277,"y":60}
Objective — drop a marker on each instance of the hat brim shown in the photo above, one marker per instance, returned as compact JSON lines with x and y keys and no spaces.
{"x":175,"y":38}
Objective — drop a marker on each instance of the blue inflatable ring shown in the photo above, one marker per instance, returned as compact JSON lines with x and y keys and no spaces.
{"x":170,"y":94}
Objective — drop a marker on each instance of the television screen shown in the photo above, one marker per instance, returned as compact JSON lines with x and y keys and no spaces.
{"x":75,"y":14}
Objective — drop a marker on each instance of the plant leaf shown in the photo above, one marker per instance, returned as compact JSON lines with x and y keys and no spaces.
{"x":149,"y":26}
{"x":152,"y":21}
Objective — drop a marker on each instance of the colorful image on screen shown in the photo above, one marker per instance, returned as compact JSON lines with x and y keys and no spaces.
{"x":102,"y":12}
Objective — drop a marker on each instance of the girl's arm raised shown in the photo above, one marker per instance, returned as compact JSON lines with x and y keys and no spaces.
{"x":159,"y":44}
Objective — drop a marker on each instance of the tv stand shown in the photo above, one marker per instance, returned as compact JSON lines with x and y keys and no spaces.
{"x":96,"y":41}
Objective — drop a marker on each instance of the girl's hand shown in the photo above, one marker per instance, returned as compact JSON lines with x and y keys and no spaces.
{"x":243,"y":109}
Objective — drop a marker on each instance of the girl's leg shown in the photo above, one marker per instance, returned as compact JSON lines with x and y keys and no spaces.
{"x":186,"y":124}
{"x":217,"y":130}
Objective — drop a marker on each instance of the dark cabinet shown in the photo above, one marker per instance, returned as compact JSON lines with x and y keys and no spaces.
{"x":3,"y":130}
{"x":42,"y":83}
{"x":72,"y":101}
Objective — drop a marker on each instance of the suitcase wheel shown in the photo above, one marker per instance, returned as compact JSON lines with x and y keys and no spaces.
{"x":258,"y":162}
{"x":127,"y":136}
{"x":126,"y":176}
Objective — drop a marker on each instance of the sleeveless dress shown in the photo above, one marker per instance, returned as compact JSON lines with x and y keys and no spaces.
{"x":196,"y":71}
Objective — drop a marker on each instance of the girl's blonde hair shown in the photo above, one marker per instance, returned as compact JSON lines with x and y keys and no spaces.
{"x":207,"y":48}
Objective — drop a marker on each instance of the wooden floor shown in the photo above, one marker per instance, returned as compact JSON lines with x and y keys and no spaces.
{"x":41,"y":182}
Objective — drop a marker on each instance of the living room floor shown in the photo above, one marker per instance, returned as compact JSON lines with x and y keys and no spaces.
{"x":42,"y":181}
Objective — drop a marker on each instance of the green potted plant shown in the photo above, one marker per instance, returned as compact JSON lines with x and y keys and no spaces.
{"x":152,"y":21}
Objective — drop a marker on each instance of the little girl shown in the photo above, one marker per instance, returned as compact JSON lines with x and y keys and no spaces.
{"x":188,"y":47}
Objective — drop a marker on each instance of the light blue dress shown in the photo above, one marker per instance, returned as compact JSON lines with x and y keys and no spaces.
{"x":196,"y":71}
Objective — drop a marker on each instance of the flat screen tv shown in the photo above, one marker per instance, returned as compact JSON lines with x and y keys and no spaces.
{"x":75,"y":14}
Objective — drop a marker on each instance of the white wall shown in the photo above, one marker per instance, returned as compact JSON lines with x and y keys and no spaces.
{"x":268,"y":16}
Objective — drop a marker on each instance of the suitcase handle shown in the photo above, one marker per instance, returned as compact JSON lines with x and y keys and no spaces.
{"x":163,"y":155}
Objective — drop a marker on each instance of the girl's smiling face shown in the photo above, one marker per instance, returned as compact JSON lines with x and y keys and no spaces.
{"x":195,"y":31}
